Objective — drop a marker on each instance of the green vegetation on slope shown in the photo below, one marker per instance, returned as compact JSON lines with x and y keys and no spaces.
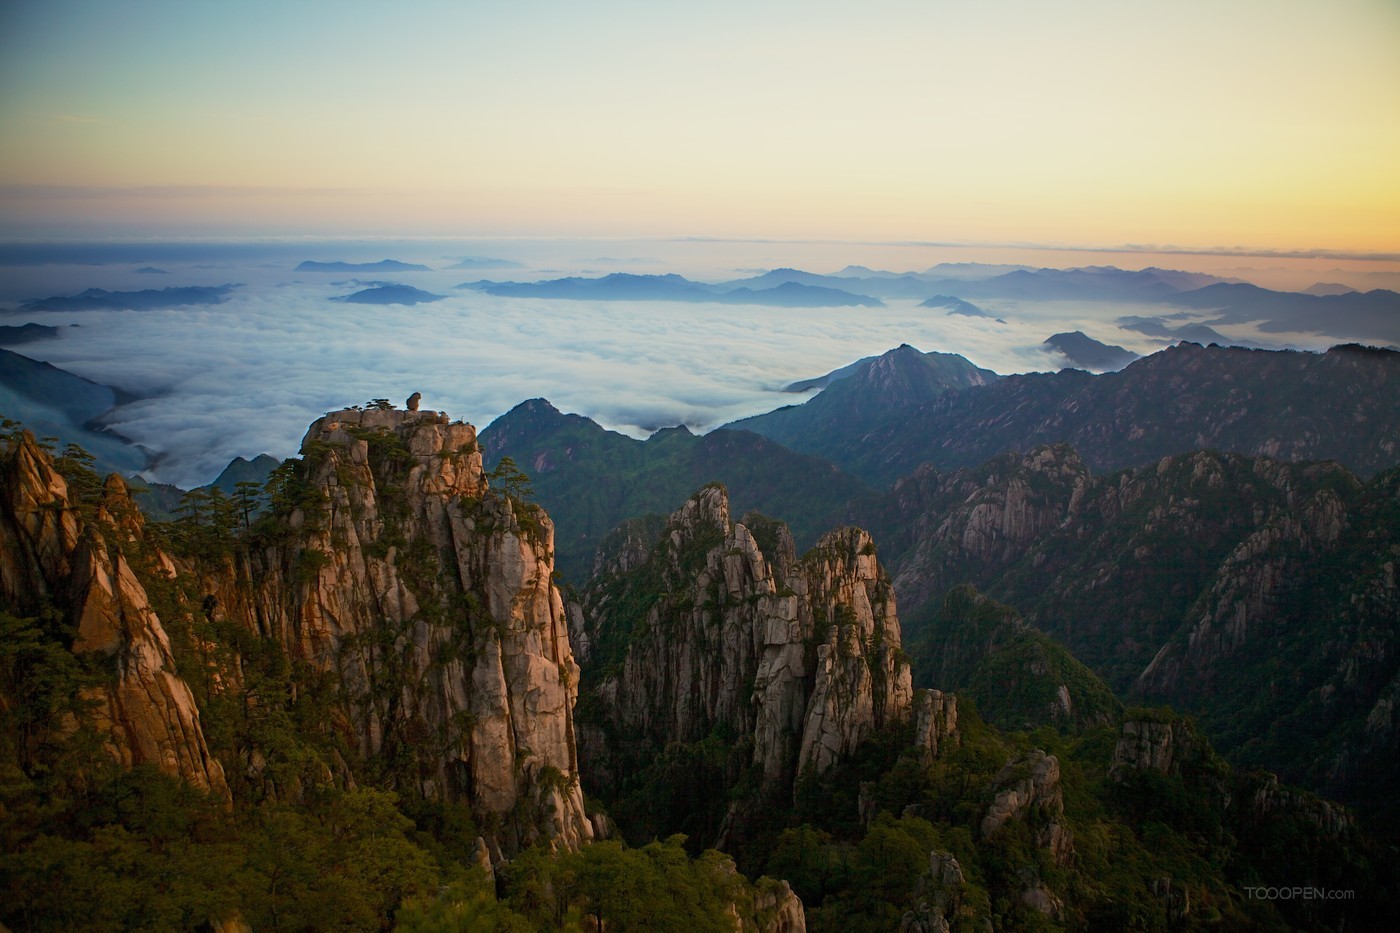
{"x":1019,"y":677}
{"x":590,"y":480}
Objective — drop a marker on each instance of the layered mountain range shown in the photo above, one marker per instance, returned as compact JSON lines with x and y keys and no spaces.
{"x":391,"y":625}
{"x":905,"y":685}
{"x":1344,"y":314}
{"x":1175,"y":576}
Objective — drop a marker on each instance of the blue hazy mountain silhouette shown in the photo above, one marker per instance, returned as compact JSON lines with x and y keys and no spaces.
{"x":383,"y":265}
{"x":98,"y":299}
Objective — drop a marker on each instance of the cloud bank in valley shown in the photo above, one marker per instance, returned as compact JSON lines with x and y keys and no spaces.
{"x":247,"y":376}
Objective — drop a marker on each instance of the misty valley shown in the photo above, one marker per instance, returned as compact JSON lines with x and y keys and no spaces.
{"x":983,"y":596}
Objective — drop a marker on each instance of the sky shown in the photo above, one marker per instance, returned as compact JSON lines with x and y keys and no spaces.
{"x":1255,"y":124}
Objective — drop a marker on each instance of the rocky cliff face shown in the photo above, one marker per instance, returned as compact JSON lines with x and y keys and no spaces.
{"x":1255,"y":802}
{"x":428,"y":595}
{"x":1186,"y":582}
{"x":58,"y":563}
{"x":1166,"y":746}
{"x":1026,"y":786}
{"x":722,"y":627}
{"x":389,"y":568}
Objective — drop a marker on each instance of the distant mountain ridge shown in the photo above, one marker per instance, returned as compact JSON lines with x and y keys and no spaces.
{"x":1373,"y":315}
{"x":876,"y":396}
{"x":592,"y":479}
{"x":390,"y":295}
{"x":954,"y":306}
{"x":12,"y":335}
{"x":99,"y":299}
{"x":383,"y":265}
{"x":624,"y":286}
{"x":1343,"y":404}
{"x":55,"y":402}
{"x":1084,"y":352}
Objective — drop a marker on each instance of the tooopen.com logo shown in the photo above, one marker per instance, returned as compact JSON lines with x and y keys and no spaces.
{"x":1299,"y":893}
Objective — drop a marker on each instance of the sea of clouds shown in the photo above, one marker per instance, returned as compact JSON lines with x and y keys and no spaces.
{"x":247,"y":376}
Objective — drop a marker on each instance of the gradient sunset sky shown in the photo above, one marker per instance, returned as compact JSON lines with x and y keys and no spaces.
{"x":1268,"y":124}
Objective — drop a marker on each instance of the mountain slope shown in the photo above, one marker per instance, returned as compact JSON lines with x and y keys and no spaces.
{"x":1343,"y":404}
{"x":591,"y":479}
{"x":57,"y":403}
{"x":1084,"y":352}
{"x":1257,"y":595}
{"x":873,"y":400}
{"x":1019,"y":677}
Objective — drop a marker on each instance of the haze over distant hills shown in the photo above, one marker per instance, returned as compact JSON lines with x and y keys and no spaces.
{"x":623,"y":286}
{"x":98,"y":299}
{"x":383,"y":265}
{"x":1084,"y":352}
{"x":1346,"y":314}
{"x":52,"y":402}
{"x":390,"y":294}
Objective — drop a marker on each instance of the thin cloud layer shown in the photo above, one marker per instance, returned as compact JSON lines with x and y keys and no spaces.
{"x":247,"y":376}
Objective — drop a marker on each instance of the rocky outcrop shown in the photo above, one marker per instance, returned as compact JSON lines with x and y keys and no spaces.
{"x":1184,"y":582}
{"x":1262,"y":798}
{"x":1027,"y":785}
{"x":1243,"y":599}
{"x":56,"y":560}
{"x":389,"y":567}
{"x":1255,"y":801}
{"x":722,"y":626}
{"x":941,"y":893}
{"x":990,"y":517}
{"x":778,"y":908}
{"x":428,"y":595}
{"x":1160,"y":744}
{"x":935,"y":722}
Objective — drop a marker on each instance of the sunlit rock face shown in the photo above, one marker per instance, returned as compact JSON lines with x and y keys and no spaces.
{"x":430,"y":597}
{"x":390,"y":569}
{"x":73,"y":571}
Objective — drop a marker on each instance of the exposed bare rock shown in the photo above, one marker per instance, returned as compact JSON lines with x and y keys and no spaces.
{"x":1027,"y":784}
{"x":993,"y":517}
{"x":778,"y":908}
{"x":1161,"y":745}
{"x":935,"y":722}
{"x":39,"y":523}
{"x":941,"y":893}
{"x":149,"y":714}
{"x":415,"y":574}
{"x":51,"y":558}
{"x":1264,"y":798}
{"x":713,"y":629}
{"x":1037,"y":896}
{"x":423,"y":593}
{"x":1176,"y":898}
{"x":1258,"y":595}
